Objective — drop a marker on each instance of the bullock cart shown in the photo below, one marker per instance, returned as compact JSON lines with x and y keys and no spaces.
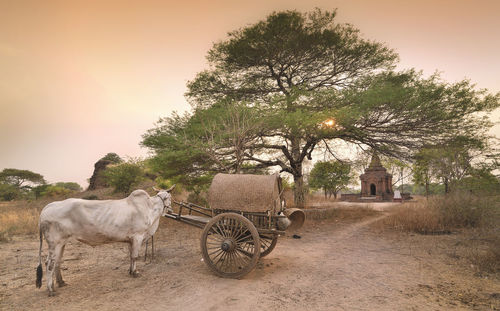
{"x":245,"y":217}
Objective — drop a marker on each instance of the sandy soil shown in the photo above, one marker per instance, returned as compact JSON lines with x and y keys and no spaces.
{"x":334,"y":266}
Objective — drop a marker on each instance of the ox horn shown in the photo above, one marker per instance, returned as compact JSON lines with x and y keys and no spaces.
{"x":171,"y":188}
{"x":156,"y":189}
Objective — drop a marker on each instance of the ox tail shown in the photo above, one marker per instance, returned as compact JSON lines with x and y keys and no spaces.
{"x":39,"y":269}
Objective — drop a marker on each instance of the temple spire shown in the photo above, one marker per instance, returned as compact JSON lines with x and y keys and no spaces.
{"x":375,"y":162}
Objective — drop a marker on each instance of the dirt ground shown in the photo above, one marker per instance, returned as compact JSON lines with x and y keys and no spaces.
{"x":335,"y":265}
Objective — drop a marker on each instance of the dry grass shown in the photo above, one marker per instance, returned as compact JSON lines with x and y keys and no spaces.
{"x":18,"y":218}
{"x":483,"y":250}
{"x":475,"y":219}
{"x":445,"y":214}
{"x":341,"y":213}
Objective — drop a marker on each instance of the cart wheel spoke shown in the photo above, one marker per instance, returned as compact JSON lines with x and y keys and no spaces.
{"x":267,"y":243}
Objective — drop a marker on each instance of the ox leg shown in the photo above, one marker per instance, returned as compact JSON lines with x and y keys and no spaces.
{"x":130,"y":252}
{"x":135,"y":246}
{"x":50,"y":266}
{"x":58,"y":257}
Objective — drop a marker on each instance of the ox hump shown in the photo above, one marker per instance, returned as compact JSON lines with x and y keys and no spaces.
{"x":139,"y":198}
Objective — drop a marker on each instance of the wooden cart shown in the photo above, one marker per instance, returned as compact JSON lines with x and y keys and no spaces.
{"x":247,"y":214}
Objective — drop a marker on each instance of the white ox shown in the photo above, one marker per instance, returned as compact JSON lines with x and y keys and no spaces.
{"x":131,"y":220}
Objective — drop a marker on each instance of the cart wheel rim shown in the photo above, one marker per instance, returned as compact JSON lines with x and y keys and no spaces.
{"x":267,"y":244}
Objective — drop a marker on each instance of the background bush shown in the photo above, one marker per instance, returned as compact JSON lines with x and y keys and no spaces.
{"x":125,"y":176}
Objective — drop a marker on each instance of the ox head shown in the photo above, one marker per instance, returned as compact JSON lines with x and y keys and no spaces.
{"x":166,"y":197}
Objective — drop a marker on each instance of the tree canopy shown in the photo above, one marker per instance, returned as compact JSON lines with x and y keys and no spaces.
{"x":112,"y":157}
{"x":453,"y":161}
{"x":305,"y":81}
{"x":20,"y":178}
{"x":331,"y":176}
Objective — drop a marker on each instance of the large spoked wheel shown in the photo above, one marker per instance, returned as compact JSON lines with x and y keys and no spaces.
{"x":230,"y":245}
{"x":267,"y":243}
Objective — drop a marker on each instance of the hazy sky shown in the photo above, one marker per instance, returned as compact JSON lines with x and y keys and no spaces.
{"x":79,"y":79}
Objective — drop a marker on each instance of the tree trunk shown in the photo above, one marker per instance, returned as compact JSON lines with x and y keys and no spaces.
{"x":446,"y":186}
{"x":335,"y":195}
{"x":298,"y":192}
{"x":298,"y":178}
{"x":426,"y":189}
{"x":325,"y":193}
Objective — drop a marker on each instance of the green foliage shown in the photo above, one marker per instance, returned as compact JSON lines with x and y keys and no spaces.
{"x":191,"y":149}
{"x":480,"y":181}
{"x":418,"y":189}
{"x":73,"y":186}
{"x":287,"y":51}
{"x":459,"y":163}
{"x":39,"y":191}
{"x":9,"y":192}
{"x":55,"y":191}
{"x":123,"y":177}
{"x":112,"y":157}
{"x":166,"y":184}
{"x":198,"y":198}
{"x":331,"y":176}
{"x":18,"y":178}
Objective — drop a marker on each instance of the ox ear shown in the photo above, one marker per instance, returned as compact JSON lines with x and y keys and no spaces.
{"x":170,"y":189}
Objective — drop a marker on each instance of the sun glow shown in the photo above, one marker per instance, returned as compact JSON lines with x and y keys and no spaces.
{"x":328,"y":123}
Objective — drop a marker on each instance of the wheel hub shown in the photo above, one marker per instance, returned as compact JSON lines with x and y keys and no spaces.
{"x":228,"y":245}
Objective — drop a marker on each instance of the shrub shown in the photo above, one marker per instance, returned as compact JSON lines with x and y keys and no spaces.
{"x":112,"y":157}
{"x":9,"y":192}
{"x":52,"y":191}
{"x":69,"y":185}
{"x":197,"y":198}
{"x":123,"y":177}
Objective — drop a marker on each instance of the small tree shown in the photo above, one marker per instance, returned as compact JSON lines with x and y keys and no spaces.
{"x":123,"y":177}
{"x":331,"y":176}
{"x":20,"y":178}
{"x":112,"y":157}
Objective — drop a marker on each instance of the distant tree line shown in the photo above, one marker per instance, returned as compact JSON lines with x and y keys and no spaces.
{"x":25,"y":184}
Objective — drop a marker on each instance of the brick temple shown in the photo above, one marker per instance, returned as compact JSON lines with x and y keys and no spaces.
{"x":376,"y":184}
{"x":376,"y":181}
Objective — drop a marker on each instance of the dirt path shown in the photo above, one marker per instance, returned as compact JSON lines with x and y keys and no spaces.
{"x":332,"y":267}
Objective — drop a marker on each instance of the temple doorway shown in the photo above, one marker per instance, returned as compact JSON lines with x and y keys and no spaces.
{"x":373,"y":189}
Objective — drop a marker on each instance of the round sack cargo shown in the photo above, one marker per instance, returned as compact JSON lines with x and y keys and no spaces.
{"x":245,"y":192}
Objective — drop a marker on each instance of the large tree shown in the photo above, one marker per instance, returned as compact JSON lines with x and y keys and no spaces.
{"x":312,"y":81}
{"x":281,"y":63}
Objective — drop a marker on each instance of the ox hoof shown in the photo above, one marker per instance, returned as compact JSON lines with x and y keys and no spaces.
{"x":52,"y":294}
{"x":135,"y":274}
{"x":61,"y":284}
